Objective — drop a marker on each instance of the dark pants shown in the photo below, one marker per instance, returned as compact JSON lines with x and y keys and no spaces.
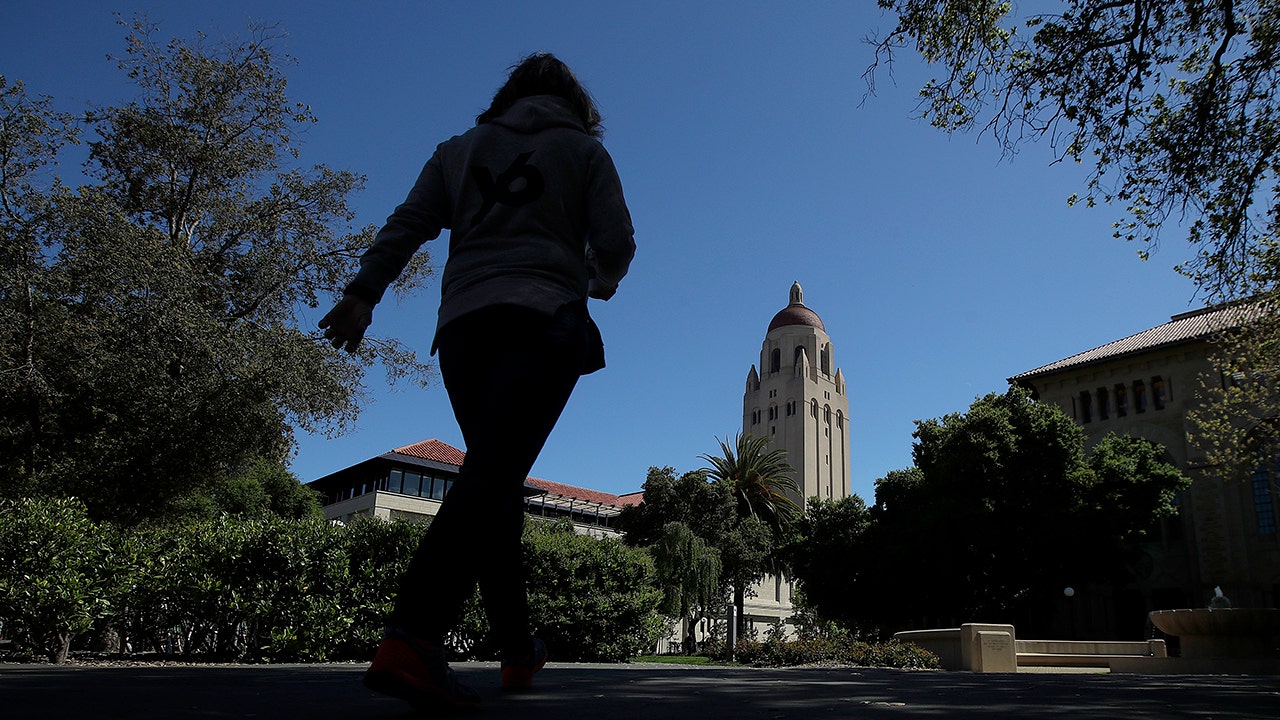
{"x":509,"y":372}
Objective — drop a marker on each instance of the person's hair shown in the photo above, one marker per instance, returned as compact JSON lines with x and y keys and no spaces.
{"x":545,"y":74}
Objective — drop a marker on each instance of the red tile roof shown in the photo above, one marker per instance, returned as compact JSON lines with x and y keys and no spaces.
{"x":634,"y":498}
{"x":1184,"y":328}
{"x":443,"y":452}
{"x":433,"y":450}
{"x":572,"y":491}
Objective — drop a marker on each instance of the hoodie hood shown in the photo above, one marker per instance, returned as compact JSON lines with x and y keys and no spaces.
{"x":539,"y":112}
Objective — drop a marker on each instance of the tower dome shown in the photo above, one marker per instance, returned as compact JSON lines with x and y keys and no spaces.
{"x":795,"y":313}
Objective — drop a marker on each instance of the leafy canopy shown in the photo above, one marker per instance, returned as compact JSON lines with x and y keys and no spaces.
{"x":1173,"y":105}
{"x":152,"y":342}
{"x":760,"y":479}
{"x":1002,"y":508}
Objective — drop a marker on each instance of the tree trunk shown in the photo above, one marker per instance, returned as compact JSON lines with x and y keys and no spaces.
{"x":62,"y":648}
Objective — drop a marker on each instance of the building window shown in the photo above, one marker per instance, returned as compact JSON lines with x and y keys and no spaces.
{"x":396,"y":481}
{"x":1122,"y":400}
{"x":1158,"y":394}
{"x":775,"y":360}
{"x":840,"y":418}
{"x":826,"y":359}
{"x":1264,"y":508}
{"x":827,"y":414}
{"x":1086,"y":407}
{"x":813,"y":409}
{"x":1104,"y":404}
{"x":1139,"y":396}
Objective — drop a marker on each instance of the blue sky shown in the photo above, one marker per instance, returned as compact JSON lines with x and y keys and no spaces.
{"x":749,"y":160}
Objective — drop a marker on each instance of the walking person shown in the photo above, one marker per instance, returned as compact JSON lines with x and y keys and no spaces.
{"x":537,"y":225}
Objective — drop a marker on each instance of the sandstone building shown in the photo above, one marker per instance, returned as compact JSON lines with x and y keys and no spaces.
{"x":1144,"y":385}
{"x":799,"y":401}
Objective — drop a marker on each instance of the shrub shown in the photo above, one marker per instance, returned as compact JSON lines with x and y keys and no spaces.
{"x":590,"y":599}
{"x":59,"y":572}
{"x":271,"y":589}
{"x":835,"y":651}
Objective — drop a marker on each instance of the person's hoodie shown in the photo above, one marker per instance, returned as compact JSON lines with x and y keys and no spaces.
{"x":535,"y":212}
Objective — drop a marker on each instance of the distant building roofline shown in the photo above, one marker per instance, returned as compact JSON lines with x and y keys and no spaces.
{"x":1183,"y":328}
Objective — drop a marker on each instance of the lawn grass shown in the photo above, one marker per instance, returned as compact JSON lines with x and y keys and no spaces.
{"x":675,"y":659}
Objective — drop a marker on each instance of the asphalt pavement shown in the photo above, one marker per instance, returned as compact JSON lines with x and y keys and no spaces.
{"x":630,"y":692}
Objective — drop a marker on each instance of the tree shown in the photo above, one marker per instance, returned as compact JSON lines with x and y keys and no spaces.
{"x":826,"y":554}
{"x":760,"y":480}
{"x":150,"y":321}
{"x":688,"y":571}
{"x":740,"y":507}
{"x":1174,"y":105}
{"x":1132,"y":480}
{"x":264,"y":488}
{"x":1001,"y":509}
{"x":1238,"y":426}
{"x":706,"y":508}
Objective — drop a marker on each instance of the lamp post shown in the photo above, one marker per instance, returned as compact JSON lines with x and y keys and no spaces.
{"x":733,"y":632}
{"x":1070,"y":593}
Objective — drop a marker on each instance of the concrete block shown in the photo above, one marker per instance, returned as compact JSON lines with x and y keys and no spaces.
{"x":988,"y":648}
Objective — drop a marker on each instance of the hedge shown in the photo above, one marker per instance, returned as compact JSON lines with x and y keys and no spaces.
{"x":275,"y":590}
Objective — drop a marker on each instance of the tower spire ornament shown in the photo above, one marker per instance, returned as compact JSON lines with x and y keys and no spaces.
{"x":797,"y":293}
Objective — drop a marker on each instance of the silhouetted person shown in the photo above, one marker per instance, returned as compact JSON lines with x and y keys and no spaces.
{"x":537,"y":224}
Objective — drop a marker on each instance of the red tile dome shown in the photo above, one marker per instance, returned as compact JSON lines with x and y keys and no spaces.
{"x":796,"y":313}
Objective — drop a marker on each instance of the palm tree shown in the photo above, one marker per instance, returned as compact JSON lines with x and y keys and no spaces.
{"x":761,"y":482}
{"x":760,"y":479}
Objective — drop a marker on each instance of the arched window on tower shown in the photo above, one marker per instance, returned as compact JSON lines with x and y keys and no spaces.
{"x":826,"y":359}
{"x":775,"y":360}
{"x":813,"y":409}
{"x":827,"y":414}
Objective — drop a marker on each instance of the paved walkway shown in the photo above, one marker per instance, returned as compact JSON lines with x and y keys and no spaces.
{"x":630,"y":692}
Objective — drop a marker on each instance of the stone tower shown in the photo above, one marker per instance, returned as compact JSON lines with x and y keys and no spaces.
{"x":798,"y":400}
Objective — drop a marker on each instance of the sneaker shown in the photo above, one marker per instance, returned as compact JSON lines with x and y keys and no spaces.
{"x":517,"y":675}
{"x":415,"y":671}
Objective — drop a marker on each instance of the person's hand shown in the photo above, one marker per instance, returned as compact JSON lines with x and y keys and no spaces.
{"x":600,"y":291}
{"x":345,"y":324}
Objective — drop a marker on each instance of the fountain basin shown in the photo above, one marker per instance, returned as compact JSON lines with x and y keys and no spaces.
{"x":1221,"y":632}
